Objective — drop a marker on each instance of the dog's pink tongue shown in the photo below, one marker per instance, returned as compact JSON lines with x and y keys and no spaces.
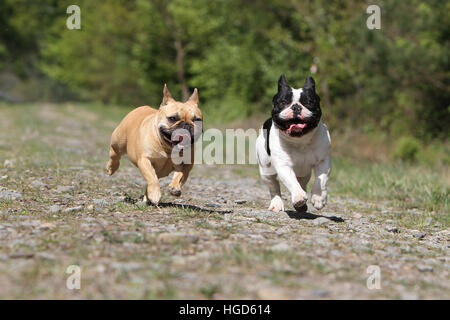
{"x":296,"y":127}
{"x":179,"y":138}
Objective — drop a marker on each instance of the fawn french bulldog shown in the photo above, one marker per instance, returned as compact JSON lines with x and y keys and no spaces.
{"x":150,"y":136}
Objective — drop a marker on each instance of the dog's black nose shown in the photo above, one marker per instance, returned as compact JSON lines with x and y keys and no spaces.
{"x":296,"y":107}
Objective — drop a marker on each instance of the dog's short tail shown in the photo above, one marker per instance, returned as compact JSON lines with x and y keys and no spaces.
{"x":114,"y":161}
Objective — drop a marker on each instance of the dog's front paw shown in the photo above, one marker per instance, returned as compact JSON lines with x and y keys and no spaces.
{"x":318,"y":201}
{"x":175,"y":191}
{"x":299,"y":200}
{"x":301,"y":208}
{"x":276,"y":205}
{"x":153,"y":197}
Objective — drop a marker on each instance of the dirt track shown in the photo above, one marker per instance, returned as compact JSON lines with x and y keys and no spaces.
{"x":59,"y":208}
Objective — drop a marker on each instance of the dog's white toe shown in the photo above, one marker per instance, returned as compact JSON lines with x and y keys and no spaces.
{"x":276,"y":205}
{"x":299,"y":200}
{"x":317,"y":201}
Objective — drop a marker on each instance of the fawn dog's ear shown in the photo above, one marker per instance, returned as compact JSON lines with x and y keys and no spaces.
{"x":167,"y":97}
{"x":194,"y":97}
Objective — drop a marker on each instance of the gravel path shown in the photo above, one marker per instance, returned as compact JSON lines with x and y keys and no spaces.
{"x":59,"y":208}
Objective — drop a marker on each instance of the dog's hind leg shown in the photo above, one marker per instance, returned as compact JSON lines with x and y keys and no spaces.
{"x":304,"y":181}
{"x":114,"y":161}
{"x":276,"y":204}
{"x":319,"y":190}
{"x":179,"y":179}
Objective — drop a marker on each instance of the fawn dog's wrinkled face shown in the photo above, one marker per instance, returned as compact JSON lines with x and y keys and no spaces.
{"x":296,"y":111}
{"x":180,"y":123}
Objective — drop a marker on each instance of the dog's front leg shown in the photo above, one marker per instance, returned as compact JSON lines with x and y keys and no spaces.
{"x":179,"y":179}
{"x":153,"y":190}
{"x":319,"y":191}
{"x":276,"y":204}
{"x":289,"y":179}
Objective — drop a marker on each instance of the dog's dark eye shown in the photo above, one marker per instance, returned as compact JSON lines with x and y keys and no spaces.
{"x":172,"y":118}
{"x":196,"y":119}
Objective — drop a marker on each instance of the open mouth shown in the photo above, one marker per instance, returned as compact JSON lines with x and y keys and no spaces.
{"x":180,"y":140}
{"x":176,"y":138}
{"x":294,"y":127}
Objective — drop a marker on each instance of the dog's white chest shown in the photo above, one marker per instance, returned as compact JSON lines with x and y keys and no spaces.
{"x":300,"y":154}
{"x":303,"y":160}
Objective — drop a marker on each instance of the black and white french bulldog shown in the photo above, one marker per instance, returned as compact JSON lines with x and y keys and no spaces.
{"x":292,"y":143}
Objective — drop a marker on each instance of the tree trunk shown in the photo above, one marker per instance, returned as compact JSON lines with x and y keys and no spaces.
{"x":178,"y":45}
{"x":180,"y":68}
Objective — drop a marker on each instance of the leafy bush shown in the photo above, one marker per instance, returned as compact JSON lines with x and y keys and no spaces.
{"x":407,"y":149}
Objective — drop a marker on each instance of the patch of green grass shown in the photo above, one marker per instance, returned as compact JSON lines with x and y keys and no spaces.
{"x":132,"y":237}
{"x":6,"y":203}
{"x":122,"y":206}
{"x":187,"y":212}
{"x":138,"y":224}
{"x":141,"y":206}
{"x":227,"y":229}
{"x":208,"y":290}
{"x":168,"y":292}
{"x":110,"y":112}
{"x":203,"y":223}
{"x":272,"y":223}
{"x":420,"y":221}
{"x":109,"y":237}
{"x":238,"y":255}
{"x":405,"y":185}
{"x":250,"y":171}
{"x":135,"y":238}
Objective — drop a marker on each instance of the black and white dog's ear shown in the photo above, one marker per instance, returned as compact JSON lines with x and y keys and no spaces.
{"x":282,"y":82}
{"x":310,"y":83}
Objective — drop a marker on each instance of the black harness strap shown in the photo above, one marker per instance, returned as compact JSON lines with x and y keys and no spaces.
{"x":266,"y":129}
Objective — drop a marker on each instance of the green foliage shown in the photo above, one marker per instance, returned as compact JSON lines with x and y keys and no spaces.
{"x":435,"y":153}
{"x":392,"y":81}
{"x":22,"y":24}
{"x":407,"y":149}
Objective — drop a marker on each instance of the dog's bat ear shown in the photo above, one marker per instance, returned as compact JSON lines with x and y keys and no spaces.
{"x":194,"y":97}
{"x":310,"y":83}
{"x":282,"y":82}
{"x":166,"y":96}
